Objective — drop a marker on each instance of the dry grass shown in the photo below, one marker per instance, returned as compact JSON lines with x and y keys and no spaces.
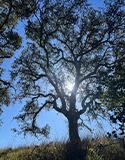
{"x":96,"y":149}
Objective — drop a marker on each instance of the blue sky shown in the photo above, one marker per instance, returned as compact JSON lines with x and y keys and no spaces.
{"x":59,"y":126}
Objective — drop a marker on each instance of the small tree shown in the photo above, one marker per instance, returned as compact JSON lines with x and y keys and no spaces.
{"x":70,"y":43}
{"x":114,"y":95}
{"x":11,"y":12}
{"x":114,"y":99}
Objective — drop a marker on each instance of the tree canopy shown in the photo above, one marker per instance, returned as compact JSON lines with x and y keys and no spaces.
{"x":114,"y":94}
{"x":10,"y":41}
{"x":11,"y":12}
{"x":69,"y":43}
{"x":114,"y":97}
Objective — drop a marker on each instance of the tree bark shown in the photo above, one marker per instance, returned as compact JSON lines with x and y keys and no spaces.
{"x":73,"y":131}
{"x":74,"y":147}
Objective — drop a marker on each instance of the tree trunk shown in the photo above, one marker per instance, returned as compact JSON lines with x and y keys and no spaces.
{"x":73,"y":132}
{"x":74,"y":148}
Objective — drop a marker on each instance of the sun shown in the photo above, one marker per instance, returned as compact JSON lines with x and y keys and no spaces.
{"x":70,"y":86}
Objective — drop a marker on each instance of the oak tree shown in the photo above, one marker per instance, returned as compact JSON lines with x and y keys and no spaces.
{"x":69,"y":43}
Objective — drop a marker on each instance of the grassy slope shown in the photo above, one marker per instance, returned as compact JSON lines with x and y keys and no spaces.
{"x":98,"y":149}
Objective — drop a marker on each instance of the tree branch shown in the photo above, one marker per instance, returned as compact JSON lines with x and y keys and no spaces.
{"x":60,"y":110}
{"x":36,"y":113}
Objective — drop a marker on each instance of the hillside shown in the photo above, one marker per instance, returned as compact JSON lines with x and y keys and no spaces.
{"x":95,"y":149}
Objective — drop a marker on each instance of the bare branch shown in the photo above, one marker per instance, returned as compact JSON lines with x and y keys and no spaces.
{"x":82,"y":124}
{"x":60,"y":110}
{"x":36,"y":113}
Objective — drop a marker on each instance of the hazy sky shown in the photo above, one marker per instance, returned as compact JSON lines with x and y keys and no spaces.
{"x":59,"y":130}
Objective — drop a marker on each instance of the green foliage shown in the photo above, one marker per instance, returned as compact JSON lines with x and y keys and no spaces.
{"x":10,"y":41}
{"x":25,"y":9}
{"x":114,"y":98}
